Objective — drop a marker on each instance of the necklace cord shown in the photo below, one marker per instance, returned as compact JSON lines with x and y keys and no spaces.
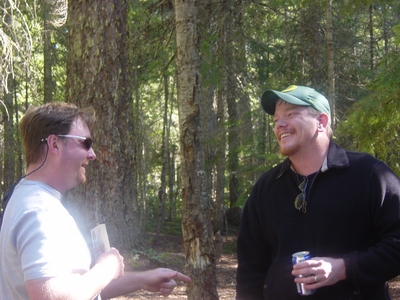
{"x":11,"y":190}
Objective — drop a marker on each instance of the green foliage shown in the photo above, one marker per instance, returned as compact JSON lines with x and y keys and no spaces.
{"x":283,"y":42}
{"x":396,"y":30}
{"x":173,"y":227}
{"x":229,"y":247}
{"x":373,"y":124}
{"x":148,"y":257}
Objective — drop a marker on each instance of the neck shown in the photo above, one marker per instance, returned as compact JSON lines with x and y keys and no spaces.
{"x":45,"y":176}
{"x":309,"y":162}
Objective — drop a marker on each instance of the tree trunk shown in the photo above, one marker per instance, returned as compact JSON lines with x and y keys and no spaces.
{"x":331,"y":66}
{"x":208,"y":91}
{"x":233,"y":116}
{"x":140,"y":163}
{"x":371,"y":36}
{"x":311,"y":44}
{"x":162,"y":195}
{"x":98,"y":75}
{"x":47,"y":53}
{"x":171,"y":162}
{"x":9,"y":131}
{"x":8,"y":167}
{"x":219,"y":212}
{"x":196,"y":206}
{"x":220,"y":151}
{"x":210,"y":134}
{"x":208,"y":121}
{"x":171,"y":185}
{"x":19,"y":158}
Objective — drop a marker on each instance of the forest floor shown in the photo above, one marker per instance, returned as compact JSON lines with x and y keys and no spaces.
{"x":168,"y":254}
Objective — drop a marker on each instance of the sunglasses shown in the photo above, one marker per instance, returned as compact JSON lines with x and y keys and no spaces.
{"x":86,"y":142}
{"x":300,"y":201}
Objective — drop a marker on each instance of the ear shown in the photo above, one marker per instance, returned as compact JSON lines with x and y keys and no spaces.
{"x":323,"y":120}
{"x":52,"y":141}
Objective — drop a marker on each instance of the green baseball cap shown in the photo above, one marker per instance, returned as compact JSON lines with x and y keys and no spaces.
{"x":296,"y":95}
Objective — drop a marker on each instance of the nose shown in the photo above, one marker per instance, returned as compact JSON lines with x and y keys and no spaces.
{"x":91,"y":155}
{"x":279,"y":122}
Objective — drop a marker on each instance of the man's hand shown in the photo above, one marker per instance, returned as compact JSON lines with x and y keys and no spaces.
{"x":163,"y":280}
{"x":112,"y":262}
{"x":321,"y":271}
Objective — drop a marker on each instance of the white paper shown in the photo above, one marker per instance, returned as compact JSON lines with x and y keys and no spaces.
{"x":100,"y":240}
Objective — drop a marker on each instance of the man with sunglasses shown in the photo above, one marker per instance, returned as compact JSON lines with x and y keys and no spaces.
{"x":342,"y":207}
{"x":43,"y":255}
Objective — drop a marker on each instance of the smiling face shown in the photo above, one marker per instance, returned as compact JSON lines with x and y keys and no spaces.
{"x":295,"y":128}
{"x":75,"y":156}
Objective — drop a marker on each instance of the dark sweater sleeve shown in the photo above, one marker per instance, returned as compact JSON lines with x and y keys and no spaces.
{"x":381,"y":261}
{"x":254,"y":255}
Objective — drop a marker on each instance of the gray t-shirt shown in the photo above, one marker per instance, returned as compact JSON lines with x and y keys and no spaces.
{"x":38,"y":239}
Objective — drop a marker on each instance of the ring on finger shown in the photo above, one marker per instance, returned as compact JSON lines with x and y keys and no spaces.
{"x":315,"y":278}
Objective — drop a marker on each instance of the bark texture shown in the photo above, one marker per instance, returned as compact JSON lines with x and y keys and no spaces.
{"x":98,"y":75}
{"x":196,"y":207}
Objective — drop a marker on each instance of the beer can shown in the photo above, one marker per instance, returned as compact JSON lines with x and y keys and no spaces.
{"x":296,"y":258}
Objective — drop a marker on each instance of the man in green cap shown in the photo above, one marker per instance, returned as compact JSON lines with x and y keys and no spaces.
{"x":341,"y":207}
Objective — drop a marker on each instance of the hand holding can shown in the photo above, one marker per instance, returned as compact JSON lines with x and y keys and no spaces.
{"x":296,"y":258}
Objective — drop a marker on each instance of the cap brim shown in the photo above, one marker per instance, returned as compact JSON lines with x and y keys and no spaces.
{"x":269,"y":98}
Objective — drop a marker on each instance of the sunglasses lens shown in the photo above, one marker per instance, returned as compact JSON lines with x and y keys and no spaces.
{"x":300,"y":200}
{"x":88,"y":142}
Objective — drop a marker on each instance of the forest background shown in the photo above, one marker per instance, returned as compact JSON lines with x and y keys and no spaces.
{"x":175,"y":84}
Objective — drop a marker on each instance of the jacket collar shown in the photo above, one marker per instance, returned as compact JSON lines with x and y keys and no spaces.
{"x":336,"y":158}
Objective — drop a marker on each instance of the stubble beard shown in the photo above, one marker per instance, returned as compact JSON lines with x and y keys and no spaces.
{"x":81,"y":179}
{"x":289,"y":150}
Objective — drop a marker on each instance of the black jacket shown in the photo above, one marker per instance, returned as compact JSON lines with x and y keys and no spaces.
{"x":352,"y":213}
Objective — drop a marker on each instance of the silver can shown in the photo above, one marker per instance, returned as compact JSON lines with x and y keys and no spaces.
{"x":296,"y":258}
